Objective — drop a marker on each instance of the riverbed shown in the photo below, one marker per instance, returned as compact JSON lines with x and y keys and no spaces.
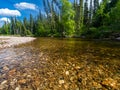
{"x":61,"y":64}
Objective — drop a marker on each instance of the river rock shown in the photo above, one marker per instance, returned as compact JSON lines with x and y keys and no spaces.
{"x":61,"y":81}
{"x":23,"y":81}
{"x":96,"y":85}
{"x":17,"y":88}
{"x":67,"y":72}
{"x":12,"y":72}
{"x":4,"y":82}
{"x":66,"y":86}
{"x":5,"y":68}
{"x":77,"y":67}
{"x":12,"y":83}
{"x":72,"y":78}
{"x":77,"y":89}
{"x":109,"y":83}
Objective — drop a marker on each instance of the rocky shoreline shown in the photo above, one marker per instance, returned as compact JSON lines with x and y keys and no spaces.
{"x":43,"y":66}
{"x":8,"y":41}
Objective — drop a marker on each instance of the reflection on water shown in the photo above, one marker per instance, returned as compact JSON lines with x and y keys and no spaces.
{"x":51,"y":63}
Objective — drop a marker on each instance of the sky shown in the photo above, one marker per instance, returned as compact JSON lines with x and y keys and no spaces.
{"x":19,"y":9}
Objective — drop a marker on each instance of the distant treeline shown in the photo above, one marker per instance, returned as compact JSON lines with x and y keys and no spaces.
{"x":94,"y":19}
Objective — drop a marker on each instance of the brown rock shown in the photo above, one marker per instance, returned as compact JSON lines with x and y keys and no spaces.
{"x":37,"y":83}
{"x":17,"y":88}
{"x":66,"y":86}
{"x":5,"y":68}
{"x":109,"y":83}
{"x":61,"y":81}
{"x":67,"y":72}
{"x":97,"y":85}
{"x":72,"y":78}
{"x":12,"y":72}
{"x":77,"y":67}
{"x":4,"y":82}
{"x":23,"y":81}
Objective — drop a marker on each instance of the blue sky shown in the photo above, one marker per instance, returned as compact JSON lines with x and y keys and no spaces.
{"x":19,"y":8}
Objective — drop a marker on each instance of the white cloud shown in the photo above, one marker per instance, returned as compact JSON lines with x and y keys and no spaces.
{"x":5,"y":19}
{"x":25,"y":5}
{"x":8,"y":12}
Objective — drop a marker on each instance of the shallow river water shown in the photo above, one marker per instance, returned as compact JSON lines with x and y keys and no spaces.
{"x":61,"y":64}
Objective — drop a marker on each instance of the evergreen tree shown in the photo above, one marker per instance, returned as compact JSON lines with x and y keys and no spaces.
{"x":90,"y":12}
{"x":86,"y":13}
{"x":115,"y":17}
{"x":12,"y":26}
{"x":96,"y":5}
{"x":81,"y":13}
{"x":31,"y":23}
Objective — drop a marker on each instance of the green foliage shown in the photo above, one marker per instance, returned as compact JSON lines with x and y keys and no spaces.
{"x":68,"y":22}
{"x":66,"y":19}
{"x":115,"y":14}
{"x":100,"y":17}
{"x":5,"y":29}
{"x":86,"y":12}
{"x":28,"y":33}
{"x":89,"y":33}
{"x":100,"y":33}
{"x":40,"y":30}
{"x":23,"y":31}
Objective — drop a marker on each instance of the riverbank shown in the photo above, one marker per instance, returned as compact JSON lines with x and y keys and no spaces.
{"x":8,"y":41}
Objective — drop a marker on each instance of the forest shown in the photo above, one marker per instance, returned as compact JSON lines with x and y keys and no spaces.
{"x":63,"y":18}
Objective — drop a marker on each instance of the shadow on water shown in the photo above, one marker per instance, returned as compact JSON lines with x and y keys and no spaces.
{"x":53,"y":63}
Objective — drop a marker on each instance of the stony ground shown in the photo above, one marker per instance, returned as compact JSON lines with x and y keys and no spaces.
{"x":8,"y":41}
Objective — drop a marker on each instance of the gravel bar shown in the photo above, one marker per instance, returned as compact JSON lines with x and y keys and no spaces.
{"x":8,"y":41}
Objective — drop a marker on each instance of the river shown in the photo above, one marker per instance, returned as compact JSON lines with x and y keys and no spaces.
{"x":61,"y":64}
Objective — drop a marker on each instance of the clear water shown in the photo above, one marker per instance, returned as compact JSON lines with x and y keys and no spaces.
{"x":44,"y":55}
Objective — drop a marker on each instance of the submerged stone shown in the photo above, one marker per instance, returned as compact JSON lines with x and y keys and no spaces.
{"x":109,"y":83}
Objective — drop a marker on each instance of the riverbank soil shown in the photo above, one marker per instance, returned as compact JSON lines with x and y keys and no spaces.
{"x":47,"y":64}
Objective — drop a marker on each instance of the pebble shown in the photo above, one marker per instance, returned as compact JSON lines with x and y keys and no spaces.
{"x":23,"y":81}
{"x":5,"y":68}
{"x":71,"y":79}
{"x":109,"y":82}
{"x":17,"y":88}
{"x":96,"y":85}
{"x":2,"y":87}
{"x":12,"y":72}
{"x":4,"y":82}
{"x":77,"y":67}
{"x":66,"y":86}
{"x":28,"y":76}
{"x":13,"y":82}
{"x":77,"y":89}
{"x":61,"y":81}
{"x":67,"y":72}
